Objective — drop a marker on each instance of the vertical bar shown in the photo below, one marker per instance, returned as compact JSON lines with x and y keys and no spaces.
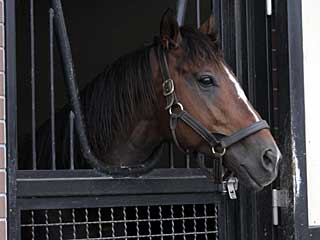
{"x":183,"y":222}
{"x":137,"y":222}
{"x":198,"y":13}
{"x":74,"y":231}
{"x":47,"y":224}
{"x":32,"y":225}
{"x":269,"y":7}
{"x":194,"y":221}
{"x":172,"y":222}
{"x":60,"y":225}
{"x":87,"y":222}
{"x":100,"y":225}
{"x":171,"y":155}
{"x":216,"y":12}
{"x":161,"y":223}
{"x":181,"y":11}
{"x":275,"y":213}
{"x":238,"y":39}
{"x":112,"y":223}
{"x":216,"y":223}
{"x":53,"y":142}
{"x":205,"y":221}
{"x":125,"y":222}
{"x":201,"y":159}
{"x":11,"y":117}
{"x":33,"y":98}
{"x":187,"y":158}
{"x":71,"y":139}
{"x":149,"y":223}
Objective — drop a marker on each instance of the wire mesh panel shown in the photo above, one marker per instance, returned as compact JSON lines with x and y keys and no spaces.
{"x":192,"y":221}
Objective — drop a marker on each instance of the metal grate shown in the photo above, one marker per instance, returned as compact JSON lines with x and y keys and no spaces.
{"x":197,"y":221}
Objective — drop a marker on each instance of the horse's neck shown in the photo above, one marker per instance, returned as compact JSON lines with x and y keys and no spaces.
{"x":138,"y":146}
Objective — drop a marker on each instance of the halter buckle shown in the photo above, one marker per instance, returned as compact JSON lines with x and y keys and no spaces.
{"x":217,"y":153}
{"x":176,"y":105}
{"x":168,"y":87}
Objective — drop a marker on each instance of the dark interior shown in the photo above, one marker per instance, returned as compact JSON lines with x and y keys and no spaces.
{"x":99,"y":33}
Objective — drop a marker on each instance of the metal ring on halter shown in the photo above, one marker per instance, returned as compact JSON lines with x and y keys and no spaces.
{"x":174,"y":106}
{"x":218,"y":154}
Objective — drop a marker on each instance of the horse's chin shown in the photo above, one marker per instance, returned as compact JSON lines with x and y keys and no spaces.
{"x":249,"y":182}
{"x":247,"y":179}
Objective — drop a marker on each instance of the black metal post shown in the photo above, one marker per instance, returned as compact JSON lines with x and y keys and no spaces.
{"x":52,"y":108}
{"x":33,"y":91}
{"x":293,"y":174}
{"x":11,"y":117}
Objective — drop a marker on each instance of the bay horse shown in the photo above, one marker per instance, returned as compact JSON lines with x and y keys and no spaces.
{"x":126,"y":108}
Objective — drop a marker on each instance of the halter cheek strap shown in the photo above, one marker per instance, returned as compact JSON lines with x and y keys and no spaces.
{"x":177,"y":112}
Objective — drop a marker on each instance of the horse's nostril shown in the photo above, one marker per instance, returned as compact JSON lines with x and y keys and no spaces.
{"x":268,"y":160}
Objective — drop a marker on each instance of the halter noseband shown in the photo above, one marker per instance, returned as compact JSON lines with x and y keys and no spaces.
{"x":176,"y":112}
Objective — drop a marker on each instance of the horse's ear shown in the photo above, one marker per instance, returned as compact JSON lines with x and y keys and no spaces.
{"x":169,"y":30}
{"x":208,"y":26}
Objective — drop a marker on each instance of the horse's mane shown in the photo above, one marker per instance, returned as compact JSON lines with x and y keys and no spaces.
{"x":124,"y":91}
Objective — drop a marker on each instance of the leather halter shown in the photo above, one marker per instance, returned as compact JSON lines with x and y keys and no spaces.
{"x":176,"y":112}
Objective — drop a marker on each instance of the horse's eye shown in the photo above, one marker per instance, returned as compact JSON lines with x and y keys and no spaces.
{"x":207,"y":81}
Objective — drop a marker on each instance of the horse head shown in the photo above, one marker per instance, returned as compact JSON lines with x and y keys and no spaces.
{"x":206,"y":88}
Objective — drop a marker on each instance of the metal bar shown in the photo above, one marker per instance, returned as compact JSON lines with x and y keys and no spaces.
{"x":238,"y":40}
{"x":161,"y":222}
{"x":216,"y":12}
{"x":137,"y":221}
{"x":87,"y":223}
{"x":171,"y":155}
{"x":112,"y":223}
{"x":118,"y":201}
{"x":74,"y":229}
{"x":50,"y":187}
{"x":181,"y":11}
{"x":33,"y":105}
{"x":70,"y":77}
{"x":69,"y":72}
{"x":71,"y":139}
{"x":32,"y":225}
{"x":269,"y":7}
{"x":216,"y":222}
{"x":205,"y":220}
{"x":198,"y":13}
{"x":100,"y":220}
{"x":11,"y":118}
{"x":297,"y":183}
{"x":60,"y":225}
{"x":188,"y":158}
{"x":194,"y":217}
{"x":46,"y":224}
{"x":183,"y":222}
{"x":51,"y":57}
{"x":124,"y":212}
{"x":160,"y":173}
{"x":172,"y":221}
{"x":275,"y":214}
{"x":149,"y":222}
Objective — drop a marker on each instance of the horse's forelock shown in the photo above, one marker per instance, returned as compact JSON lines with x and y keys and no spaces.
{"x":200,"y":47}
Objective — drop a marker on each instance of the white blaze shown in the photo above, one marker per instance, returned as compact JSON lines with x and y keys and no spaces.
{"x":241,"y":94}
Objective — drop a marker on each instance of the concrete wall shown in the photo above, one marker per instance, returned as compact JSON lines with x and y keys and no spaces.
{"x":311,"y":49}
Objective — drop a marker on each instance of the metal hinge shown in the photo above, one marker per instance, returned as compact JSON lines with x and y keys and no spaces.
{"x":269,"y":7}
{"x":280,"y":198}
{"x":231,"y":186}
